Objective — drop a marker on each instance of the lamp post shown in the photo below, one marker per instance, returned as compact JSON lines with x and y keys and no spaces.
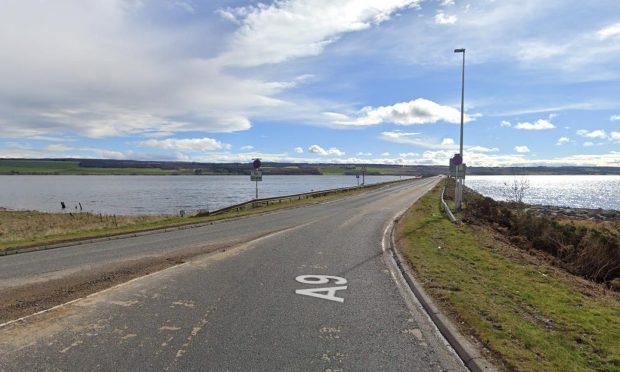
{"x":459,"y":181}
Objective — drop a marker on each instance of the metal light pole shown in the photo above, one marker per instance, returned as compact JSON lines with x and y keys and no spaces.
{"x":459,"y":181}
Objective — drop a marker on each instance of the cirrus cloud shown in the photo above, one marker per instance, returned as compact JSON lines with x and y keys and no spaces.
{"x":186,"y":144}
{"x":612,"y":31}
{"x":292,"y":29}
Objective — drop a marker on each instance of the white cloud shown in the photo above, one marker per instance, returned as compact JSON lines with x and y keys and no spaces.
{"x":116,"y":155}
{"x":521,"y":149}
{"x":481,"y":149}
{"x":111,"y":75}
{"x":385,"y":154}
{"x":157,"y":134}
{"x":419,"y":111}
{"x":184,"y":5}
{"x":562,"y":140}
{"x":408,"y":154}
{"x":316,"y":149}
{"x":58,"y":147}
{"x":614,"y":118}
{"x":187,"y":144}
{"x":600,"y":134}
{"x":292,"y":29}
{"x":442,"y":19}
{"x":116,"y":72}
{"x":364,"y":154}
{"x":506,"y":32}
{"x":539,"y":124}
{"x":247,"y":148}
{"x":612,"y":31}
{"x":532,"y":51}
{"x":447,"y":2}
{"x":496,"y":160}
{"x":505,"y":124}
{"x":588,"y":144}
{"x":440,"y":157}
{"x":298,"y":150}
{"x":409,"y":138}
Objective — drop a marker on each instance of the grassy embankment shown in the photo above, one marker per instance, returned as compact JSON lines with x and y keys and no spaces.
{"x":21,"y":229}
{"x":528,"y":314}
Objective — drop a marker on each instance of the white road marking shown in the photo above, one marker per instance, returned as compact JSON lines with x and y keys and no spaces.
{"x":330,"y":293}
{"x":320,"y":279}
{"x":326,"y":293}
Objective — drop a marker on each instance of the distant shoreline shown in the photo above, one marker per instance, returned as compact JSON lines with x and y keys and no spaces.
{"x":91,"y":167}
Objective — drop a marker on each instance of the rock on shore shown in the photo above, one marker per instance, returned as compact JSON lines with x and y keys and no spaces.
{"x":574,"y":213}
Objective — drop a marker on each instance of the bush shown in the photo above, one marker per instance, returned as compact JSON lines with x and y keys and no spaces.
{"x":587,"y":252}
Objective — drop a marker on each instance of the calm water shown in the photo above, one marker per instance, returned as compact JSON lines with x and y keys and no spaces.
{"x":570,"y":191}
{"x":155,"y":194}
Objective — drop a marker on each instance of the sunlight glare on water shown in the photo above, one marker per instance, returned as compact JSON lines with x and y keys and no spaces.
{"x":577,"y":191}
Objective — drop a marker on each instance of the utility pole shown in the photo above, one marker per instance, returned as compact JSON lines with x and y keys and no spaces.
{"x":460,"y":180}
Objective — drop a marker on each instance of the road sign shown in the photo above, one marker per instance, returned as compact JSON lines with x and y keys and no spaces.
{"x":458,"y":159}
{"x":256,"y":163}
{"x":256,"y":175}
{"x":461,"y":170}
{"x":452,"y":168}
{"x":363,"y":175}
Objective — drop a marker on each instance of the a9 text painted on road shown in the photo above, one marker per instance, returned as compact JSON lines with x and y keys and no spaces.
{"x":326,"y":293}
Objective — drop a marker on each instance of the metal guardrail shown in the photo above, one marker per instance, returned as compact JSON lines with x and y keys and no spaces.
{"x":266,"y":201}
{"x":447,"y":209}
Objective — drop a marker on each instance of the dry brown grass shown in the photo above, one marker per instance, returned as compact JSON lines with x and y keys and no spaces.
{"x":612,"y":227}
{"x":18,"y":226}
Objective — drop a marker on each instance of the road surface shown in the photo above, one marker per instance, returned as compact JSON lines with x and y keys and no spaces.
{"x":305,"y":289}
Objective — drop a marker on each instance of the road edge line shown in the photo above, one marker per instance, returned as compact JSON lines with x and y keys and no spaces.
{"x":469,"y":354}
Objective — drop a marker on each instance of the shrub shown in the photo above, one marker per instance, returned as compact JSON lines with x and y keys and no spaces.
{"x":584,"y":251}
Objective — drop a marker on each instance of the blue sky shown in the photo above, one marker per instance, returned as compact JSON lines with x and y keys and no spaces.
{"x":356,"y":81}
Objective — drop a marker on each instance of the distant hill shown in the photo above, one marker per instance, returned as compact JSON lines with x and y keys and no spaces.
{"x":135,"y":167}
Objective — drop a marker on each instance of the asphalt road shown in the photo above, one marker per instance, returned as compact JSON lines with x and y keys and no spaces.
{"x":252,"y":307}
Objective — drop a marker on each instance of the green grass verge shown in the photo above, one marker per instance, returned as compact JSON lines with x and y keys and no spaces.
{"x":530,"y":315}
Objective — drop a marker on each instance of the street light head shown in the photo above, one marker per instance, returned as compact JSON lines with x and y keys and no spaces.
{"x":462,"y":50}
